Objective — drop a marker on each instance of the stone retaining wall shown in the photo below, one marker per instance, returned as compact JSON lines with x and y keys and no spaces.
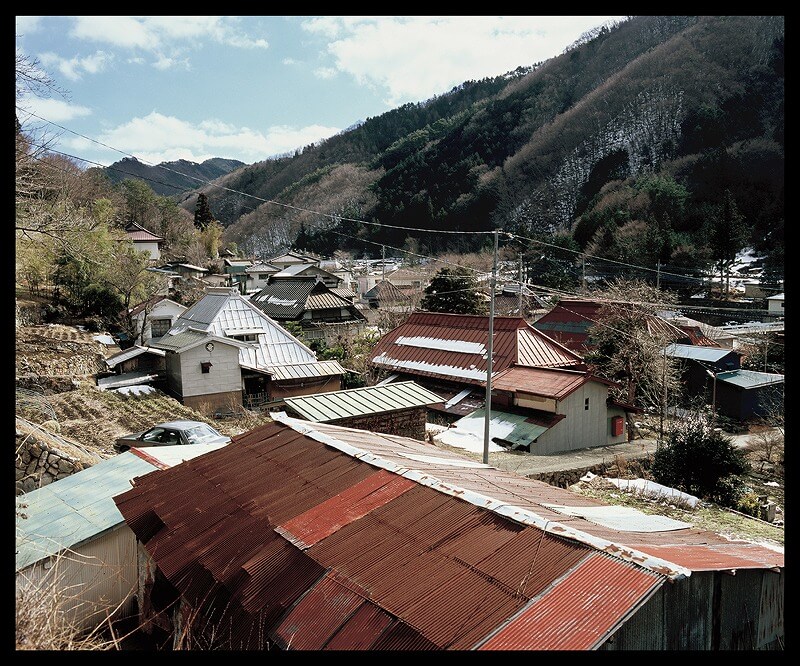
{"x":38,"y":464}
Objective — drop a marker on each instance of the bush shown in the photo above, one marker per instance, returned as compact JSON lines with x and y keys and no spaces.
{"x":702,"y":461}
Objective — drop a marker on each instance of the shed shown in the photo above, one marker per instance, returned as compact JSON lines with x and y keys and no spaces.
{"x":72,"y":540}
{"x":744,"y":395}
{"x":395,"y":409}
{"x":345,"y":539}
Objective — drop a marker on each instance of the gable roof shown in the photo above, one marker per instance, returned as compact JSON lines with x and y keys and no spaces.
{"x":387,"y":292}
{"x":454,"y":347}
{"x":289,"y":299}
{"x":361,"y":401}
{"x":570,"y":320}
{"x":348,"y":539}
{"x":309,"y":271}
{"x":224,"y":312}
{"x":138,"y":234}
{"x":545,"y":382}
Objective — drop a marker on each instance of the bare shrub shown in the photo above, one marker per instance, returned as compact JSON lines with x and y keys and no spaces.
{"x":46,"y":617}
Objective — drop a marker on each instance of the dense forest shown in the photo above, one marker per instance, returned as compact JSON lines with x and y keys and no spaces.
{"x":657,"y":142}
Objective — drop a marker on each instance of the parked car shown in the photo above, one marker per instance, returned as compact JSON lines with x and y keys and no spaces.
{"x":172,"y":433}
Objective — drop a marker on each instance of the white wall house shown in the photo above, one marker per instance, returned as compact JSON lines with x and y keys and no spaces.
{"x":775,"y":304}
{"x":154,"y":318}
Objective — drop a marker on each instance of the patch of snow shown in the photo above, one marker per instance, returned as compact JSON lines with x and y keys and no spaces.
{"x":654,"y":490}
{"x":461,"y":346}
{"x":422,"y":366}
{"x":141,"y":389}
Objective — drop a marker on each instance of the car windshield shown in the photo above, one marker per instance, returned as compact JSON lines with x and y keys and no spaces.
{"x":200,"y":433}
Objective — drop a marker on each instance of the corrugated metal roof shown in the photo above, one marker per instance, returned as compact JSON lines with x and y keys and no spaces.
{"x":454,"y":347}
{"x":76,"y":508}
{"x":514,"y":429}
{"x":574,"y":615}
{"x":450,"y":554}
{"x":132,"y":352}
{"x":750,"y":378}
{"x":550,"y":383}
{"x":570,"y":320}
{"x":695,"y":353}
{"x":138,"y":233}
{"x":224,"y":312}
{"x":360,"y":401}
{"x":306,"y":370}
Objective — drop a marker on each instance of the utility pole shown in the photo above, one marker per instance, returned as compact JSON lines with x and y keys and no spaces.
{"x":488,"y":407}
{"x":658,"y":275}
{"x":383,"y":262}
{"x":664,"y":385}
{"x":583,"y":268}
{"x":520,"y":286}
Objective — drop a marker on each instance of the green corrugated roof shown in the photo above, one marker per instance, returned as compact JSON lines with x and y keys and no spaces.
{"x":334,"y":405}
{"x":69,"y":511}
{"x":749,"y":378}
{"x":512,"y":428}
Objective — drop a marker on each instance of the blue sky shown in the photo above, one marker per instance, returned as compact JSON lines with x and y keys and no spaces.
{"x":162,"y":88}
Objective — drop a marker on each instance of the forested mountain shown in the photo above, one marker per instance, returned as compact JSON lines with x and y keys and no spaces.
{"x":658,"y":141}
{"x":171,"y":178}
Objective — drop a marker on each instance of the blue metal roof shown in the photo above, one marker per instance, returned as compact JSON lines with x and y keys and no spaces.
{"x":69,"y":511}
{"x":749,"y":378}
{"x":697,"y":353}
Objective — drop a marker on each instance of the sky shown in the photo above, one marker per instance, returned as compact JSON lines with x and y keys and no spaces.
{"x":164,"y":88}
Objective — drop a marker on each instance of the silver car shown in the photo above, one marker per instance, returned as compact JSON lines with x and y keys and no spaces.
{"x":172,"y":433}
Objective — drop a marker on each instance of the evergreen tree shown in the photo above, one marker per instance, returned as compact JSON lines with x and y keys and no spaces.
{"x":202,"y":212}
{"x":453,"y":290}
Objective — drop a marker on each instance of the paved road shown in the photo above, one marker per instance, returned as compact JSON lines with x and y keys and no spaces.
{"x":527,"y":464}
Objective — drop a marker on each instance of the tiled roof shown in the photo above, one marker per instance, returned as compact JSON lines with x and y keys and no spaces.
{"x":137,"y":233}
{"x":347,"y":539}
{"x":454,"y":347}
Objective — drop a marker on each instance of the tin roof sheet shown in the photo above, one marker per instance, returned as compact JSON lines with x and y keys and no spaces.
{"x":695,"y":353}
{"x":305,"y":370}
{"x":750,"y":378}
{"x":455,"y":347}
{"x":361,"y":401}
{"x":64,"y":514}
{"x":450,"y":553}
{"x":550,"y":383}
{"x":574,"y":615}
{"x":513,"y":429}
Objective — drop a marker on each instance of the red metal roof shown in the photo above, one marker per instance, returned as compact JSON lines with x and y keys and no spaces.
{"x":573,"y":615}
{"x":547,"y":382}
{"x":433,"y":344}
{"x":570,"y":320}
{"x":322,"y":537}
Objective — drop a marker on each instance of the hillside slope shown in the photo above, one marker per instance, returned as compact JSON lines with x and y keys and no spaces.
{"x":695,"y":99}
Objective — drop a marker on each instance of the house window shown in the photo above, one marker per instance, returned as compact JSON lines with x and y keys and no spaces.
{"x":263,"y":276}
{"x":159,"y":327}
{"x":586,"y":404}
{"x":250,"y":337}
{"x":205,"y":366}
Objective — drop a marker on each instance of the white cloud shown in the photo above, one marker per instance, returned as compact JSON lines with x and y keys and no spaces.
{"x":414,"y":58}
{"x":56,"y":110}
{"x":25,"y":25}
{"x":325,"y":72}
{"x":157,"y":33}
{"x":74,"y":68}
{"x":159,"y":138}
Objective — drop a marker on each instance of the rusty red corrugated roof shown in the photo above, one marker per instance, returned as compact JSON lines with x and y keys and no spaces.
{"x":576,"y":613}
{"x":550,"y":383}
{"x":454,"y":347}
{"x":439,"y":552}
